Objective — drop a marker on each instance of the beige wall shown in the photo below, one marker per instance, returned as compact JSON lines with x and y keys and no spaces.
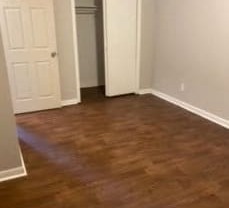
{"x":68,"y":62}
{"x":147,"y":44}
{"x":192,"y":47}
{"x":9,"y":148}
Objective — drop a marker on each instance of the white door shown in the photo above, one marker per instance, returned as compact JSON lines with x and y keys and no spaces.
{"x":120,"y":26}
{"x":29,"y":38}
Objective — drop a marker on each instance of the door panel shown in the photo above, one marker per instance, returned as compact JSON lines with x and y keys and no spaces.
{"x":40,"y":27}
{"x":44,"y":83}
{"x":120,"y":44}
{"x":14,"y":28}
{"x":22,"y":77}
{"x":28,"y":31}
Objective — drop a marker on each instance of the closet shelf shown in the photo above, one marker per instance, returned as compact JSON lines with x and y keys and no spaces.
{"x":86,"y":10}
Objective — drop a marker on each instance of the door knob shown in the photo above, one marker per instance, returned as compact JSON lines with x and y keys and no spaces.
{"x":53,"y":54}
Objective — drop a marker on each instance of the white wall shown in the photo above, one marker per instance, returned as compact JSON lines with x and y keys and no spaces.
{"x":192,"y":47}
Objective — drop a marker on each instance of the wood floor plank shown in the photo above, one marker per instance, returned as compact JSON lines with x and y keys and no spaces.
{"x":125,"y":152}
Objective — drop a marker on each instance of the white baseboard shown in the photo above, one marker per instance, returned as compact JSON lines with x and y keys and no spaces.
{"x":145,"y":91}
{"x":69,"y":102}
{"x":193,"y":109}
{"x":14,"y":172}
{"x":23,"y":163}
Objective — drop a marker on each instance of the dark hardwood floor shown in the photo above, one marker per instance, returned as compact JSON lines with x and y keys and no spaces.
{"x":92,"y":94}
{"x":125,"y":152}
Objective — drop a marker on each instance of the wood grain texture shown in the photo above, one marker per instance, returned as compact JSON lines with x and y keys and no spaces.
{"x":125,"y":152}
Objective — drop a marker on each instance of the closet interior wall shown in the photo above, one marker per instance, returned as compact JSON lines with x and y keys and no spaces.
{"x":89,"y":18}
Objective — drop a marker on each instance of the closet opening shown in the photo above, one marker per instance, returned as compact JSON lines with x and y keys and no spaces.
{"x":89,"y":19}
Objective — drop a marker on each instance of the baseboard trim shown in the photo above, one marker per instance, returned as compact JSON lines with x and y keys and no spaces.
{"x":14,"y":173}
{"x":209,"y":116}
{"x":145,"y":91}
{"x":69,"y":102}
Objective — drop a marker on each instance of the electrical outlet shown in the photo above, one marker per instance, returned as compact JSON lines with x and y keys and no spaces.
{"x":182,"y":87}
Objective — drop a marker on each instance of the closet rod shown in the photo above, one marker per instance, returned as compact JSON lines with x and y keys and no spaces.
{"x":86,"y":7}
{"x":86,"y":10}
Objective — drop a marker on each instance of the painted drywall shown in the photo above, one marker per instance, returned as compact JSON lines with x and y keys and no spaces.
{"x":68,"y":61}
{"x":147,"y":43}
{"x":9,"y":147}
{"x":90,"y":39}
{"x":192,"y":47}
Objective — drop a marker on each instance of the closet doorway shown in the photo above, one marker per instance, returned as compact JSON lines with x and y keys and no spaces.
{"x":108,"y":34}
{"x":89,"y":18}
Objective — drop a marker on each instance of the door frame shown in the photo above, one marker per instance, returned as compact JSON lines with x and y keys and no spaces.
{"x":139,"y":45}
{"x":76,"y":50}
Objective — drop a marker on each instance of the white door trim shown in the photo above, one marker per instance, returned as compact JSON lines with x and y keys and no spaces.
{"x":139,"y":37}
{"x":76,"y":50}
{"x":105,"y":47}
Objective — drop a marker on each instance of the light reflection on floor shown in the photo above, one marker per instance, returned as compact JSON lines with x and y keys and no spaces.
{"x":58,"y":156}
{"x":82,"y":170}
